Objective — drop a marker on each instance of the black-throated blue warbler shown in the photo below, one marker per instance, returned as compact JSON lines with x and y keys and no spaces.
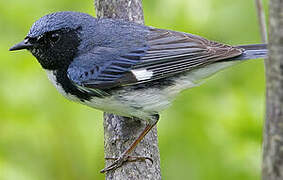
{"x":123,"y":67}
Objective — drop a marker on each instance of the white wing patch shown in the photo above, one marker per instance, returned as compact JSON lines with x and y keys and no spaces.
{"x":142,"y":74}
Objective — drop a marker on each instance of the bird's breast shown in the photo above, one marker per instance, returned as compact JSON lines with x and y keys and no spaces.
{"x":53,"y":77}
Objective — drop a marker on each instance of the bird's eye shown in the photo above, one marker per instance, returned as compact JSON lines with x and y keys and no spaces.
{"x":31,"y":39}
{"x":55,"y":37}
{"x":40,"y":38}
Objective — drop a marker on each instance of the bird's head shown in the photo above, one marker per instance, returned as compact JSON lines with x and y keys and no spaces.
{"x":54,"y":38}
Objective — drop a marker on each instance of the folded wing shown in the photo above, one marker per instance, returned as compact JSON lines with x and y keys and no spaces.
{"x":164,"y":54}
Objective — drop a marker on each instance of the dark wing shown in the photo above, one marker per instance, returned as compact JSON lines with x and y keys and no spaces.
{"x":104,"y":68}
{"x":174,"y":52}
{"x":165,"y":54}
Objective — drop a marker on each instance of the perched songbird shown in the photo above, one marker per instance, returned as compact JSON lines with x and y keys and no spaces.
{"x":123,"y":67}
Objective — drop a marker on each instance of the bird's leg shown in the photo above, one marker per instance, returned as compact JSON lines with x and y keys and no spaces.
{"x":118,"y":162}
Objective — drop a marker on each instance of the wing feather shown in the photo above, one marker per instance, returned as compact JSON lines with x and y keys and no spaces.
{"x":164,"y":54}
{"x":173,"y":52}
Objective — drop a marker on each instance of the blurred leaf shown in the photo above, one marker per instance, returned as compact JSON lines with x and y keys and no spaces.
{"x":210,"y":132}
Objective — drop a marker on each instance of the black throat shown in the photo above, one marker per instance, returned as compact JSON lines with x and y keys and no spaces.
{"x":69,"y":88}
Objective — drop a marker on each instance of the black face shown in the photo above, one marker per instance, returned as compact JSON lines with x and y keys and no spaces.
{"x":53,"y":50}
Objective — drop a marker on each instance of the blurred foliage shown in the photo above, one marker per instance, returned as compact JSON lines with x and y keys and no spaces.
{"x":211,"y":132}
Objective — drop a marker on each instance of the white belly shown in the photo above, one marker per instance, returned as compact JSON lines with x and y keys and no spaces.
{"x":122,"y":103}
{"x":143,"y":103}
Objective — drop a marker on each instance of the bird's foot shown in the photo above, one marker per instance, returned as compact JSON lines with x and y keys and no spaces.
{"x":118,"y":162}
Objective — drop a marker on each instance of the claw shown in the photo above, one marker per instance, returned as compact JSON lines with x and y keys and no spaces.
{"x":118,"y":162}
{"x":139,"y":159}
{"x":110,"y":158}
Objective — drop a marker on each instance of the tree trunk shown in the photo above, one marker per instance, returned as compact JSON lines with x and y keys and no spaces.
{"x":120,"y":132}
{"x":272,"y":168}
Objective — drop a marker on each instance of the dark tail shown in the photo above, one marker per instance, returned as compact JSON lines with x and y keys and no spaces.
{"x":253,"y":51}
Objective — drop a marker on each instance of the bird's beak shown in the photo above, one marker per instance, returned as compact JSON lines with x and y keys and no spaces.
{"x":22,"y":45}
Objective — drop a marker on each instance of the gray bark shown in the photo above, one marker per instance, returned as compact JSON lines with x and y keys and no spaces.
{"x":130,"y":10}
{"x":272,"y":167}
{"x":120,"y":132}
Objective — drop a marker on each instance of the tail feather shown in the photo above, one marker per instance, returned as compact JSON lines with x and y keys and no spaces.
{"x":252,"y":51}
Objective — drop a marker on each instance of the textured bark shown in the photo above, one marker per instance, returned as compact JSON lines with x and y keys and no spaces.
{"x":273,"y":132}
{"x":130,"y":10}
{"x":120,"y":132}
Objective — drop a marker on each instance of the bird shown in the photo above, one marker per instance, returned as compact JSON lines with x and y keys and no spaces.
{"x":126,"y":68}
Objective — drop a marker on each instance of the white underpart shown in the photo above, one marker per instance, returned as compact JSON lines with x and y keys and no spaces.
{"x":52,"y":78}
{"x":151,"y":99}
{"x":142,"y":74}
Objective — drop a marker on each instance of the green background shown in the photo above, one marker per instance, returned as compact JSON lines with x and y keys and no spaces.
{"x":213,"y":131}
